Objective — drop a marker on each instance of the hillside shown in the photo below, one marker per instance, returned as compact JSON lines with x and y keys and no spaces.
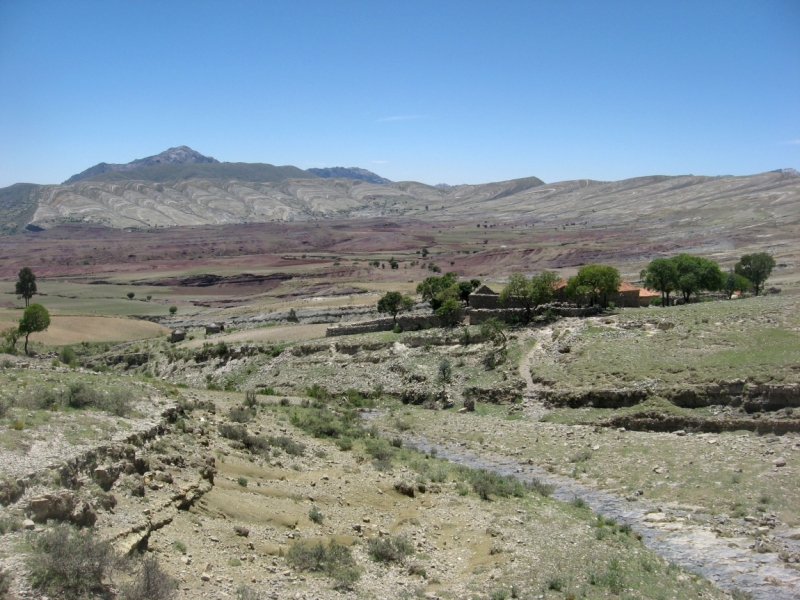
{"x":172,"y":156}
{"x":350,"y":173}
{"x":646,"y":202}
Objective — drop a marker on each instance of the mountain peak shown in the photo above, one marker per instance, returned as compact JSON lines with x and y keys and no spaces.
{"x":174,"y":156}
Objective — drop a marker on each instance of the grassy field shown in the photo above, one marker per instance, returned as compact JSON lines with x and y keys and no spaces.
{"x":756,"y":339}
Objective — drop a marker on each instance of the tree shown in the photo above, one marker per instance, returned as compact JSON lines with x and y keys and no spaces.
{"x":756,"y":267}
{"x":529,"y":292}
{"x":696,"y":273}
{"x":465,"y":288}
{"x":26,"y":284}
{"x":661,"y":275}
{"x":395,"y":303}
{"x":597,"y":280}
{"x":449,"y":312}
{"x":735,"y":283}
{"x":130,"y":295}
{"x":432,"y":288}
{"x":34,"y":319}
{"x":173,"y":310}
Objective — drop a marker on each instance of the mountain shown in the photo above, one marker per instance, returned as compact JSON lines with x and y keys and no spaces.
{"x":164,"y":173}
{"x":632,"y":205}
{"x":349,"y":173}
{"x":174,"y":156}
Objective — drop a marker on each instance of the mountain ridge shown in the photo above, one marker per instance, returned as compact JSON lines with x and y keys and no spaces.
{"x":176,"y":155}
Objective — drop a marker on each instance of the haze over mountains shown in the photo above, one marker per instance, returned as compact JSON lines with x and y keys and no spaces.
{"x":181,"y":187}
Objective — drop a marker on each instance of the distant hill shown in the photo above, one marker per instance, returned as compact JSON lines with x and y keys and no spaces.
{"x":18,"y":204}
{"x":252,"y":172}
{"x":349,"y":173}
{"x":174,"y":156}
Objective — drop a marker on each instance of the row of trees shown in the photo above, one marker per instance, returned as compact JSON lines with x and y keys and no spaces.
{"x":444,"y":294}
{"x":684,"y":273}
{"x":690,"y":274}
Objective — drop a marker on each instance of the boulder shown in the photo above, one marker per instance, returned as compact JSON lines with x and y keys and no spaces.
{"x":177,"y":335}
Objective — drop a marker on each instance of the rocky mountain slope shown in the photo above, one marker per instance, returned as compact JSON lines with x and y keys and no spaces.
{"x":350,"y":173}
{"x":645,"y":202}
{"x":179,"y":155}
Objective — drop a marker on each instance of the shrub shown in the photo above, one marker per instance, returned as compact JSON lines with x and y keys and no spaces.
{"x":130,"y":295}
{"x":173,"y":310}
{"x":242,"y":481}
{"x":233,"y":432}
{"x":487,"y":484}
{"x":70,"y":564}
{"x":179,"y":546}
{"x":288,"y":445}
{"x":5,"y":582}
{"x":344,"y":443}
{"x":397,"y":329}
{"x":334,"y":560}
{"x":445,"y":371}
{"x":250,"y":400}
{"x":389,"y":549}
{"x":315,"y":515}
{"x":379,"y":449}
{"x":556,"y":584}
{"x":67,"y":355}
{"x":318,"y":392}
{"x":245,"y":593}
{"x":150,"y":582}
{"x":241,"y":415}
{"x":541,"y":488}
{"x":579,"y":502}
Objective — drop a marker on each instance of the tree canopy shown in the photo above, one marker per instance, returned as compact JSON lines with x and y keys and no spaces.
{"x":696,"y":273}
{"x":394,"y":303}
{"x":34,"y":319}
{"x":26,"y":284}
{"x":661,"y":275}
{"x":735,"y":283}
{"x":436,"y":289}
{"x":598,"y":281}
{"x":755,"y":267}
{"x":529,"y":292}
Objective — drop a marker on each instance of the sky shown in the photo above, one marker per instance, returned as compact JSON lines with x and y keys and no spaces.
{"x":437,"y":92}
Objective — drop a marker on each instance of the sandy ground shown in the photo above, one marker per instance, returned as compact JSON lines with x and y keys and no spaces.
{"x":73,"y":330}
{"x":285,"y":333}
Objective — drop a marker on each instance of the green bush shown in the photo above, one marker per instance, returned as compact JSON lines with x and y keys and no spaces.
{"x":389,"y":549}
{"x":173,"y":310}
{"x":379,"y":449}
{"x":315,"y":515}
{"x":334,"y":560}
{"x":70,"y":564}
{"x":487,"y":484}
{"x":67,"y":355}
{"x":397,"y":329}
{"x":241,"y":415}
{"x":242,"y":481}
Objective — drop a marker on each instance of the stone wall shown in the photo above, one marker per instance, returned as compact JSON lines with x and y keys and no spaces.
{"x":407,"y":322}
{"x":517,"y":315}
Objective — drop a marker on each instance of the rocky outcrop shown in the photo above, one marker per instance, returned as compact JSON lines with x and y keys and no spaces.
{"x":63,"y":505}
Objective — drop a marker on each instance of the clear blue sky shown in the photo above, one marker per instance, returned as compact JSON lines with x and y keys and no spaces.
{"x":432,"y":91}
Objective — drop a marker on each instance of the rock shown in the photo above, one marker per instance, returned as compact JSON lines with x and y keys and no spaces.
{"x":241,"y":530}
{"x":404,"y":488}
{"x":205,"y":577}
{"x":163,"y":476}
{"x":655,"y":517}
{"x":463,"y":410}
{"x":365,"y":519}
{"x":105,"y":476}
{"x":62,"y":506}
{"x":680,"y":432}
{"x":28,"y":525}
{"x":780,"y":462}
{"x":178,"y":335}
{"x":469,"y":404}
